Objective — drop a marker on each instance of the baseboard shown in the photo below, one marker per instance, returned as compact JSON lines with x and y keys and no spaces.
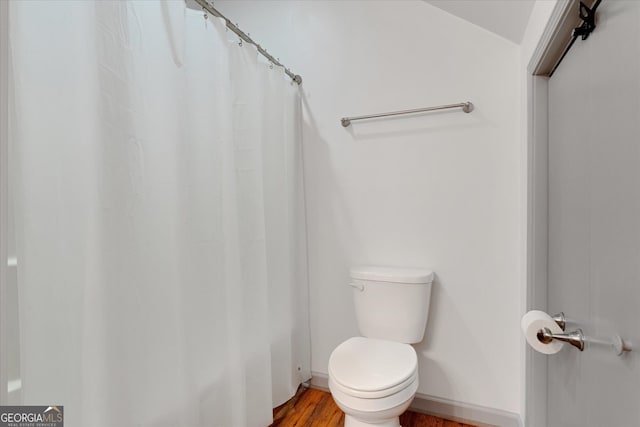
{"x":481,"y":416}
{"x":319,"y":381}
{"x":444,"y":408}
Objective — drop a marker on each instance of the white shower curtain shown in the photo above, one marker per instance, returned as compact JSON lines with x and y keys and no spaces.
{"x":159,"y":218}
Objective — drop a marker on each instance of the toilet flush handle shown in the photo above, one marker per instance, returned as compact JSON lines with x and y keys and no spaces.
{"x":358,"y":286}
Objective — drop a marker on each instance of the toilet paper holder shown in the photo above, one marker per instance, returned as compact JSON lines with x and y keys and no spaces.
{"x":575,"y":338}
{"x":560,"y":320}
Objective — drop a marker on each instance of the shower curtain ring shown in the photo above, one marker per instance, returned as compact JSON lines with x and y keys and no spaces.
{"x":205,"y":13}
{"x":240,"y":42}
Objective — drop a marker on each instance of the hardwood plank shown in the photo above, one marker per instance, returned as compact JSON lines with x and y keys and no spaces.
{"x":316,"y":408}
{"x":281,"y":411}
{"x":323,"y":411}
{"x":414,"y":419}
{"x":301,"y":414}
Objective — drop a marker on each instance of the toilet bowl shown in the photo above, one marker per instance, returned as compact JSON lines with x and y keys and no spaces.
{"x":374,"y":378}
{"x":373,"y":381}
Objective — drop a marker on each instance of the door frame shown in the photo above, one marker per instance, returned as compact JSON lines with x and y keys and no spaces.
{"x":4,"y":196}
{"x":550,"y":48}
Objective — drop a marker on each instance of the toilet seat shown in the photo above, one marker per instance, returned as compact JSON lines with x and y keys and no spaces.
{"x":373,"y":408}
{"x":372,"y":368}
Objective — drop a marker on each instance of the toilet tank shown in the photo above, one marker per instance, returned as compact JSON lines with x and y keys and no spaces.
{"x":392,"y":303}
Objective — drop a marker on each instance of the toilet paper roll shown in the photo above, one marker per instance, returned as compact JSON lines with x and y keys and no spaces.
{"x":535,"y":320}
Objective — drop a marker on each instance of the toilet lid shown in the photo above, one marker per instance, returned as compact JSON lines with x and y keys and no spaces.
{"x":367,"y":364}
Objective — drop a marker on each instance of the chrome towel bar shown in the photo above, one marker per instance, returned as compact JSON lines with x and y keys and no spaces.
{"x":467,"y":107}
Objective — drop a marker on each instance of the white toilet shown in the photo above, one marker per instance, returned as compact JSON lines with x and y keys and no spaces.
{"x":374,"y":378}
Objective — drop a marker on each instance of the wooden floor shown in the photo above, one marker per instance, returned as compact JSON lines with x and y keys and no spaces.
{"x":310,"y":407}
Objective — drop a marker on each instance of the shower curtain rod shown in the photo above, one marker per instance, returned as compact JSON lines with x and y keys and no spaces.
{"x":244,"y":36}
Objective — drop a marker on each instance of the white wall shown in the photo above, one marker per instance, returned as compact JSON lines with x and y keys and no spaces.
{"x":440,"y":190}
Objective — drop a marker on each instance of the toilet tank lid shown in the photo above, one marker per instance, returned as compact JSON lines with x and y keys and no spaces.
{"x":392,"y":274}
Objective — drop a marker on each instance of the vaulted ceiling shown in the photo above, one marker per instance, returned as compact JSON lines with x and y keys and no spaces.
{"x":506,"y":18}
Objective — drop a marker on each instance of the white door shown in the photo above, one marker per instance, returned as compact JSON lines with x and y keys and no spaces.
{"x":594,"y":222}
